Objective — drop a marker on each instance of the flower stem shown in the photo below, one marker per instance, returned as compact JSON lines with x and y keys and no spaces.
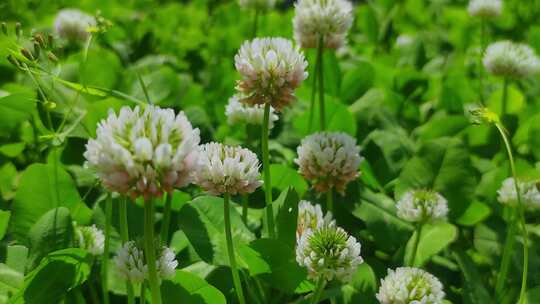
{"x":106,"y":245}
{"x":330,"y":201}
{"x":508,"y":250}
{"x":320,"y":50}
{"x":480,"y":65}
{"x":166,"y":219}
{"x":313,"y":92}
{"x":142,"y":299}
{"x":266,"y":168}
{"x":245,"y":208}
{"x":230,"y":249}
{"x":504,"y":104}
{"x":521,"y":211}
{"x":255,"y":25}
{"x":417,"y":234}
{"x":150,"y":252}
{"x":124,"y":234}
{"x":319,"y":288}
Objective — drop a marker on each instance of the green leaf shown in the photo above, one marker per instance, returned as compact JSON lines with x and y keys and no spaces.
{"x":475,"y":213}
{"x":442,"y":165}
{"x":202,"y":220}
{"x":516,"y":100}
{"x":8,"y":174}
{"x":190,"y":289}
{"x":100,"y":69}
{"x":42,"y":188}
{"x":17,"y":256}
{"x":4,"y":221}
{"x":442,"y":126}
{"x":284,"y":177}
{"x":11,"y":281}
{"x":12,"y":150}
{"x":362,"y":287}
{"x":56,"y":275}
{"x":475,"y":290}
{"x":286,"y":214}
{"x":433,"y":239}
{"x":15,"y":108}
{"x":357,"y":81}
{"x":99,"y":110}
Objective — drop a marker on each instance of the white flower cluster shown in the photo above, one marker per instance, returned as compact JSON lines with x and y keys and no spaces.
{"x":511,"y":60}
{"x":422,"y":206}
{"x":271,"y":70}
{"x":329,"y":159}
{"x":328,"y":252}
{"x":410,"y":285}
{"x":91,"y":239}
{"x":326,"y":19}
{"x":72,"y":24}
{"x":225,"y":169}
{"x":241,"y":113}
{"x":310,"y":217}
{"x":529,"y":193}
{"x":260,"y":5}
{"x":485,"y":8}
{"x":131,"y":264}
{"x":144,"y":152}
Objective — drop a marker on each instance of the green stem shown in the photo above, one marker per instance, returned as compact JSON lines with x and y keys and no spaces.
{"x":480,"y":64}
{"x":330,"y":201}
{"x":106,"y":246}
{"x":266,"y":168}
{"x":255,"y":24}
{"x":320,"y":54}
{"x":418,"y":232}
{"x":504,"y":104}
{"x":319,"y":288}
{"x":522,"y":293}
{"x":507,"y":254}
{"x":245,"y":202}
{"x":124,"y":234}
{"x":230,"y":249}
{"x":142,"y":299}
{"x":150,"y":251}
{"x":166,"y":219}
{"x":313,"y":92}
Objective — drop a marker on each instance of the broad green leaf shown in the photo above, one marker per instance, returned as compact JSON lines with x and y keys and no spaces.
{"x":11,"y":281}
{"x":475,"y":290}
{"x":8,"y":174}
{"x":362,"y":287}
{"x":15,"y":108}
{"x":433,"y":239}
{"x":202,"y":222}
{"x":4,"y":221}
{"x":100,"y":69}
{"x":17,"y":256}
{"x":338,"y":118}
{"x":42,"y":188}
{"x":357,"y":81}
{"x":189,"y":289}
{"x":474,"y":214}
{"x":284,"y":177}
{"x":516,"y":100}
{"x":99,"y":110}
{"x":442,"y":126}
{"x":286,"y":213}
{"x":12,"y":150}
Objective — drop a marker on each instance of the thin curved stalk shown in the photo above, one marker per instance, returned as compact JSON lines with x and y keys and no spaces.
{"x":508,"y":250}
{"x":266,"y":169}
{"x":150,"y":251}
{"x":415,"y":244}
{"x":106,"y":246}
{"x":320,"y":51}
{"x":230,"y":249}
{"x":166,"y":219}
{"x":124,"y":234}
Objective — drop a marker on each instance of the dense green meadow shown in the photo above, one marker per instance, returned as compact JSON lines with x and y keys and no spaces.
{"x":381,"y":151}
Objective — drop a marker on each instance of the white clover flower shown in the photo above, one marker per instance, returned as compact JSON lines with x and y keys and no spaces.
{"x":530,"y":194}
{"x":422,"y":206}
{"x":329,"y":19}
{"x":329,"y":159}
{"x":410,"y":285}
{"x":91,"y":239}
{"x":166,"y":263}
{"x":404,"y":41}
{"x":129,"y":262}
{"x":511,"y":60}
{"x":271,"y":70}
{"x":72,"y":24}
{"x":310,"y":217}
{"x":237,"y":112}
{"x":260,"y":5}
{"x":144,"y":152}
{"x":226,"y":169}
{"x":329,"y":252}
{"x":485,"y":8}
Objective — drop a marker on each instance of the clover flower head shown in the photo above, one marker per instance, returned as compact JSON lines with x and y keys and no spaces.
{"x":404,"y":41}
{"x":144,"y":152}
{"x":410,"y":285}
{"x":422,"y":206}
{"x":166,"y":263}
{"x":511,"y":60}
{"x":329,"y":159}
{"x":259,"y":5}
{"x":91,"y":239}
{"x":529,"y":193}
{"x":485,"y":8}
{"x":329,"y":20}
{"x":310,"y":217}
{"x":238,"y":112}
{"x":72,"y":24}
{"x":271,"y":69}
{"x":129,"y":262}
{"x":329,"y":252}
{"x":226,"y":169}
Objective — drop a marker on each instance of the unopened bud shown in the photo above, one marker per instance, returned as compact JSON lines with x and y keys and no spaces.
{"x":36,"y":49}
{"x":50,"y":105}
{"x":4,"y":28}
{"x":52,"y":57}
{"x":50,"y":40}
{"x":18,"y":29}
{"x":39,"y":39}
{"x":26,"y":53}
{"x":13,"y":61}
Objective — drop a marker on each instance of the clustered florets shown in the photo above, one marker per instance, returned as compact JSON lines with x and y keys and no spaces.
{"x":410,"y":285}
{"x":329,"y":160}
{"x":310,"y":217}
{"x":529,"y":193}
{"x":485,"y":8}
{"x":226,"y":169}
{"x":144,"y":152}
{"x":73,"y":24}
{"x":91,"y":239}
{"x":422,"y":206}
{"x":511,"y":60}
{"x":259,"y":5}
{"x":271,"y":70}
{"x":238,"y":112}
{"x":326,"y":19}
